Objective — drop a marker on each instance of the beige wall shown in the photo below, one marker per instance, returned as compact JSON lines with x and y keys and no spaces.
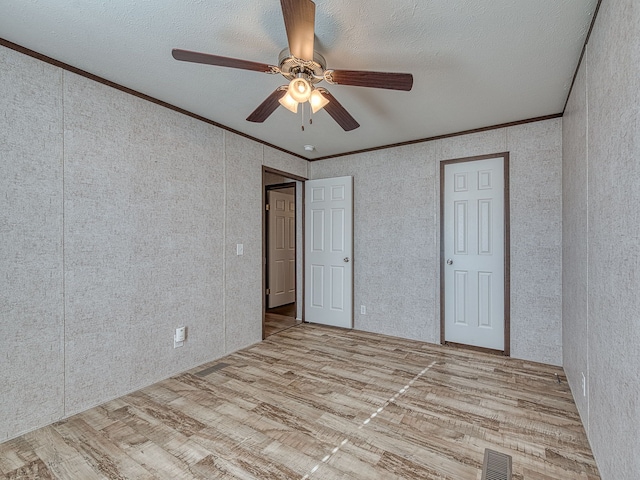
{"x":601,"y":263}
{"x":31,"y":223}
{"x":119,"y":221}
{"x":397,"y":234}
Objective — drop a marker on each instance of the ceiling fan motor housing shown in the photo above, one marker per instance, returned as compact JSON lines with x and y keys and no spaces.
{"x":292,"y":67}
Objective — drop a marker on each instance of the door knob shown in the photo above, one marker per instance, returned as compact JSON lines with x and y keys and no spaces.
{"x":346,"y":259}
{"x":449,"y":261}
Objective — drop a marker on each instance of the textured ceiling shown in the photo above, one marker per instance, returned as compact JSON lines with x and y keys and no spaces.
{"x":475,"y":63}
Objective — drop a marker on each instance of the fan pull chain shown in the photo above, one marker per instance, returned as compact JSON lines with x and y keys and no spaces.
{"x":303,"y":118}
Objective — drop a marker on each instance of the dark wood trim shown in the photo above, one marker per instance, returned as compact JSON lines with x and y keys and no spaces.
{"x":135,"y":93}
{"x":275,"y":171}
{"x":280,"y":186}
{"x":448,"y":161}
{"x":440,"y":137}
{"x":263,"y":257}
{"x":442,"y":165}
{"x":507,"y":259}
{"x":303,"y":228}
{"x":265,"y":171}
{"x":584,"y":50}
{"x":507,"y":249}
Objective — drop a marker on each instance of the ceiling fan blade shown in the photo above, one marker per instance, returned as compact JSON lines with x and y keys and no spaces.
{"x":338,"y":112}
{"x":207,"y":58}
{"x":267,"y":107}
{"x":299,"y":21}
{"x":361,"y":78}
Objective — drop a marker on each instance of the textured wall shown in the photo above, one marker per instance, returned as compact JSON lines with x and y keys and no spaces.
{"x":575,"y":249}
{"x":31,"y":353}
{"x":243,"y":224}
{"x":395,"y":264}
{"x":285,"y":163}
{"x":397,"y":234}
{"x":138,"y":209}
{"x":143,"y":241}
{"x":243,"y":274}
{"x":536,"y":240}
{"x":608,"y":103}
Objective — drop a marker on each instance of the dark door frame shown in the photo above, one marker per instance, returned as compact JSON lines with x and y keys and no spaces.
{"x":507,"y":247}
{"x":267,"y":189}
{"x":265,"y":171}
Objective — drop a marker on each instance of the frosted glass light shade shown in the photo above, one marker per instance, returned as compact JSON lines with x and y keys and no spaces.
{"x":317,"y":101}
{"x":299,"y":89}
{"x":289,"y":103}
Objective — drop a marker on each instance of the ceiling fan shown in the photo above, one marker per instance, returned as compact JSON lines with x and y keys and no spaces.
{"x":304,"y":68}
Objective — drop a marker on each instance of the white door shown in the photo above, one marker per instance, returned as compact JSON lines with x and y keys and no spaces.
{"x":328,"y":251}
{"x":281,"y":253}
{"x":473,"y":241}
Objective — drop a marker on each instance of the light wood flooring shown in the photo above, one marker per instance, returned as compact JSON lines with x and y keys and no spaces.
{"x":316,"y":402}
{"x":280,"y":318}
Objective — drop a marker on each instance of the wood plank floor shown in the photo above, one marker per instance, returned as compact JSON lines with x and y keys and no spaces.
{"x":314,"y":402}
{"x":274,"y":323}
{"x":280,"y":318}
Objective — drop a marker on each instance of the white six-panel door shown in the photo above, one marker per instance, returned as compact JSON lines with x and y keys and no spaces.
{"x":328,"y":251}
{"x":282,"y":247}
{"x":473,"y":241}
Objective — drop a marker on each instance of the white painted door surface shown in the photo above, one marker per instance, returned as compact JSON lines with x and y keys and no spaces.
{"x":281,"y":254}
{"x":474,"y":253}
{"x":328,"y":251}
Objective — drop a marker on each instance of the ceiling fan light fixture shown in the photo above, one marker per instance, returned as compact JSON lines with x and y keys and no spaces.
{"x":317,"y":101}
{"x":299,"y":90}
{"x":289,"y":103}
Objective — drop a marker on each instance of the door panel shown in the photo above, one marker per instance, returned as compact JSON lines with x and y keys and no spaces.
{"x":316,"y":285}
{"x":337,"y":288}
{"x":474,"y":252}
{"x":485,"y":319}
{"x":461,"y":227}
{"x":460,"y":297}
{"x":317,"y":238}
{"x":328,"y":253}
{"x":337,"y":230}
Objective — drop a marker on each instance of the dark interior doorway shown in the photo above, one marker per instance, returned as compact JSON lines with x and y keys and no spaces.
{"x":281,"y":252}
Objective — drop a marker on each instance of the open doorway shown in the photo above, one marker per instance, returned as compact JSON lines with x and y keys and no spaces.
{"x":283,"y":247}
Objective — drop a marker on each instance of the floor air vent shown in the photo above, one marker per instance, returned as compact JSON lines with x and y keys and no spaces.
{"x":214,"y":368}
{"x":497,"y":466}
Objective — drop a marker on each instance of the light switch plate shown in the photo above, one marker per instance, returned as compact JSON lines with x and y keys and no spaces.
{"x":240,"y":249}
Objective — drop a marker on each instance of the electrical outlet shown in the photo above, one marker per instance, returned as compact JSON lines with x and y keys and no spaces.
{"x":584,"y":385}
{"x":363,"y":310}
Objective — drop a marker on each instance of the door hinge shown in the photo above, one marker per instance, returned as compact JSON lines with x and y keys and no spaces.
{"x":268,"y":291}
{"x":267,"y":207}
